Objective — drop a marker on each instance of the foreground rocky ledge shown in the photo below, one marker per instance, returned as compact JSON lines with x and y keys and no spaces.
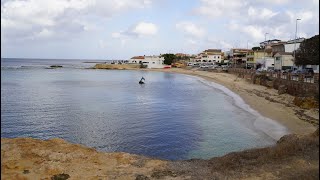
{"x":293,"y":157}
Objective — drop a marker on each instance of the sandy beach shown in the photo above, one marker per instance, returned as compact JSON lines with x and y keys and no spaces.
{"x":265,"y":100}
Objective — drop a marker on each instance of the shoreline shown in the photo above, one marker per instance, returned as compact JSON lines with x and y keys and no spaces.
{"x":261,"y":99}
{"x":293,"y":156}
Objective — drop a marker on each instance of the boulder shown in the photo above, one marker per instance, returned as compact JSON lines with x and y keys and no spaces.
{"x":282,"y":89}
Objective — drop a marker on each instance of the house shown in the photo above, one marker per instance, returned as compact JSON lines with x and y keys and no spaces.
{"x":213,"y":55}
{"x":238,"y":57}
{"x":136,"y":60}
{"x":286,"y":46}
{"x":208,"y":56}
{"x":149,"y":61}
{"x":153,"y":61}
{"x":268,"y":43}
{"x":252,"y":56}
{"x":283,"y":60}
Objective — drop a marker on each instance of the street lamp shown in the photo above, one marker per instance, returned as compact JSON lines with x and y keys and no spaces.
{"x":295,"y":40}
{"x":264,"y":50}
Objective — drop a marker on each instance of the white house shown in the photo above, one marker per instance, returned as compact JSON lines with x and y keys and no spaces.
{"x":149,"y":61}
{"x":289,"y":46}
{"x":283,"y":60}
{"x":136,"y":60}
{"x":209,"y":56}
{"x":153,"y":61}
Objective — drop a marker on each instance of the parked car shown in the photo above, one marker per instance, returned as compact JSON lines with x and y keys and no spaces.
{"x":204,"y":66}
{"x":190,"y":64}
{"x":307,"y":71}
{"x":287,"y":71}
{"x":196,"y":65}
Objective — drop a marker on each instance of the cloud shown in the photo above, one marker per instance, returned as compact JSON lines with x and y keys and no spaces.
{"x":260,"y":13}
{"x":145,"y":29}
{"x":217,"y":8}
{"x":21,"y":19}
{"x":141,"y":29}
{"x":214,"y":42}
{"x":190,"y":29}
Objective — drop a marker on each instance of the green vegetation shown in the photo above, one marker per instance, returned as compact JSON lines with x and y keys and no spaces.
{"x":256,"y":48}
{"x":169,"y":58}
{"x":308,"y":52}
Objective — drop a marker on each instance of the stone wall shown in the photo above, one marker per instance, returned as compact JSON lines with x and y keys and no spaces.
{"x":295,"y":88}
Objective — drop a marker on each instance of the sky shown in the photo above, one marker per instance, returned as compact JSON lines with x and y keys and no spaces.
{"x":121,"y":29}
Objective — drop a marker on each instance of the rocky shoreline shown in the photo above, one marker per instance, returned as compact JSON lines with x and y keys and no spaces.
{"x":293,"y":157}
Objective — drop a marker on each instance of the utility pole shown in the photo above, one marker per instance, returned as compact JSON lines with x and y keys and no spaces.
{"x":295,"y":40}
{"x":264,"y":49}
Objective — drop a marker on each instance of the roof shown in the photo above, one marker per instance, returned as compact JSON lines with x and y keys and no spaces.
{"x":270,"y":40}
{"x":284,"y":53}
{"x":279,"y":43}
{"x":298,"y":40}
{"x":181,"y":54}
{"x":213,"y":50}
{"x":266,"y":50}
{"x":238,"y":50}
{"x":137,"y":57}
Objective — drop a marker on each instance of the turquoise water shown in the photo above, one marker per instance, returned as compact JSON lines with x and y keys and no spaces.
{"x":172,"y":116}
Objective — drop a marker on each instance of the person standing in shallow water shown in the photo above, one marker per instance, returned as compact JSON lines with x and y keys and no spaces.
{"x":142,"y":80}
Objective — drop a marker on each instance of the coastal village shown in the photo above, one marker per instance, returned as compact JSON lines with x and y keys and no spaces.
{"x":160,"y":90}
{"x":270,"y":55}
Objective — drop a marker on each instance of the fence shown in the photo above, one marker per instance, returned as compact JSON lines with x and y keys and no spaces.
{"x":306,"y":78}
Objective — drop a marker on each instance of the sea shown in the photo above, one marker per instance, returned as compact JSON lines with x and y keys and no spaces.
{"x":172,"y":116}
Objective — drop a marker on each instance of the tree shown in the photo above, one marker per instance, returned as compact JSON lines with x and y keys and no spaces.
{"x":168,"y":58}
{"x":308,"y":52}
{"x":256,"y":48}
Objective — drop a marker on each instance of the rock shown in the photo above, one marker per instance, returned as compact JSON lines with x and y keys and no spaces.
{"x":60,"y":177}
{"x":290,"y":138}
{"x":161,"y":174}
{"x":142,"y":177}
{"x":316,"y":133}
{"x":56,"y":66}
{"x":306,"y":102}
{"x":282,"y":89}
{"x":269,"y":83}
{"x":26,"y":171}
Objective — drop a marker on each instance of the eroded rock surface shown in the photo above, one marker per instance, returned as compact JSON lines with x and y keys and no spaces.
{"x":294,"y":156}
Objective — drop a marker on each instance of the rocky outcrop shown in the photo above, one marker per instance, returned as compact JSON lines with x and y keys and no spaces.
{"x":306,"y":102}
{"x":282,"y":89}
{"x":25,"y":158}
{"x":116,"y":66}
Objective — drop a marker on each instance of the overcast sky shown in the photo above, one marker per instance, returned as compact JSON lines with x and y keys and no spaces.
{"x":120,"y":29}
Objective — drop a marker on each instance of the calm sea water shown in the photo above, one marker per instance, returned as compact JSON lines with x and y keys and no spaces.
{"x":172,"y":116}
